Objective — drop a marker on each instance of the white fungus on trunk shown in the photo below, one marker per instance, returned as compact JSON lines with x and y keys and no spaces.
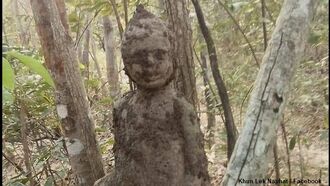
{"x":62,"y":111}
{"x":74,"y":147}
{"x":81,"y":180}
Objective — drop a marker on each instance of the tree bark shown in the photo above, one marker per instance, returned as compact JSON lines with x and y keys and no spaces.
{"x":229,"y":120}
{"x":85,"y":52}
{"x":4,"y":34}
{"x":22,"y":32}
{"x":112,"y":71}
{"x":125,"y":11}
{"x":62,"y":11}
{"x":70,"y":95}
{"x":26,"y":150}
{"x":267,"y":103}
{"x":114,"y":8}
{"x":209,"y":104}
{"x":96,"y":61}
{"x":97,"y":67}
{"x":185,"y":82}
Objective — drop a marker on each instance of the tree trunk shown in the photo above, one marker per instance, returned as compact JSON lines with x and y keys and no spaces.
{"x":96,"y":61}
{"x":209,"y":103}
{"x":229,"y":120}
{"x":112,"y":71}
{"x":62,"y":12}
{"x":126,"y":11}
{"x":85,"y":52}
{"x":267,"y":103}
{"x":22,"y":32}
{"x":185,"y":82}
{"x":114,"y":8}
{"x":80,"y":52}
{"x":70,"y":95}
{"x":25,"y":143}
{"x":97,"y":67}
{"x":4,"y":34}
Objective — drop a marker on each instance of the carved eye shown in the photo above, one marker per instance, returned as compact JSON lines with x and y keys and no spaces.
{"x":159,"y":54}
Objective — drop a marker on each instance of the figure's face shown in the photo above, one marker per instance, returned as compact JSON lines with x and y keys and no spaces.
{"x":148,"y":62}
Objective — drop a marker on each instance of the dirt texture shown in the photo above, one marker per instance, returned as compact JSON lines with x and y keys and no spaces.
{"x":158,"y":140}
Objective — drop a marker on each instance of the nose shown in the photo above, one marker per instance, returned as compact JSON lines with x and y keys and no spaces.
{"x":151,"y":59}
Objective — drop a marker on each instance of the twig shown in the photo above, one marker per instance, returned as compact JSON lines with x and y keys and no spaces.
{"x":51,"y":172}
{"x":91,"y":100}
{"x":120,"y":27}
{"x":264,"y":23}
{"x":276,"y":162}
{"x":126,"y":12}
{"x":240,"y":29}
{"x":270,"y":15}
{"x":13,"y":163}
{"x":301,"y":158}
{"x":218,"y":105}
{"x":26,"y":151}
{"x":287,"y":150}
{"x":241,"y":107}
{"x":90,"y":21}
{"x":45,"y":137}
{"x":78,"y":24}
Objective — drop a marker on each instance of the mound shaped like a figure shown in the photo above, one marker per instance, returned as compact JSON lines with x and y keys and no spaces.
{"x":158,"y":141}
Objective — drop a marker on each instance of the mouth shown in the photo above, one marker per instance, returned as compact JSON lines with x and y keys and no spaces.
{"x":150,"y":77}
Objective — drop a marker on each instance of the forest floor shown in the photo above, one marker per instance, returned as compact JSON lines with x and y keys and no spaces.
{"x":310,"y":161}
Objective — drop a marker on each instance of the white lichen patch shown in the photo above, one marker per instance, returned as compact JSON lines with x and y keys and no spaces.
{"x":74,"y":147}
{"x":90,"y":116}
{"x":81,"y":180}
{"x":260,"y":147}
{"x":304,"y":6}
{"x":62,"y":111}
{"x":66,"y":127}
{"x":124,"y":114}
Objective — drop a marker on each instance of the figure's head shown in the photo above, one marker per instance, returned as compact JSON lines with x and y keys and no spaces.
{"x":146,"y":50}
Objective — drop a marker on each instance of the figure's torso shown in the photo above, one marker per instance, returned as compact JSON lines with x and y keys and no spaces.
{"x":149,"y":139}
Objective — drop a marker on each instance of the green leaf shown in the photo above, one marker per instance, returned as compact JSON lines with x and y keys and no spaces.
{"x":314,"y":38}
{"x":49,"y":182}
{"x":16,"y":184}
{"x":7,"y":97}
{"x":105,"y":101}
{"x":100,"y":129}
{"x":237,"y":5}
{"x":326,"y":121}
{"x":97,"y":6}
{"x":292,"y":143}
{"x":73,"y":17}
{"x":324,"y":135}
{"x":34,"y":65}
{"x":19,"y":181}
{"x":105,"y":145}
{"x":81,"y":66}
{"x":8,"y":76}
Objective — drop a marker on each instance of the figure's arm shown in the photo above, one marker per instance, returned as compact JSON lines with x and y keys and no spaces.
{"x":195,"y":157}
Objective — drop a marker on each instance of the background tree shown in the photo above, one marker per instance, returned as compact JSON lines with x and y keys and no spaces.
{"x":178,"y":15}
{"x":23,"y":32}
{"x":222,"y":91}
{"x":112,"y":70}
{"x":71,"y":103}
{"x":86,"y":49}
{"x":210,"y":103}
{"x":270,"y":94}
